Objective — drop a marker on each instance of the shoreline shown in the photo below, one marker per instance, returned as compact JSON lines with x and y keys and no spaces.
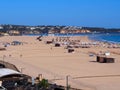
{"x":90,"y":35}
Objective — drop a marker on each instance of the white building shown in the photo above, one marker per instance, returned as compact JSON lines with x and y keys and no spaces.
{"x":1,"y":27}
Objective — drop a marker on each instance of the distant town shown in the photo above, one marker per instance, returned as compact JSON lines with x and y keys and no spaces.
{"x":40,"y":29}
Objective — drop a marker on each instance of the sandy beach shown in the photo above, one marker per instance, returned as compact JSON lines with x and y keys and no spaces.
{"x":35,"y":57}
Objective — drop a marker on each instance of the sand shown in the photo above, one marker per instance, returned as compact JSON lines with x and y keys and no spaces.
{"x":35,"y":57}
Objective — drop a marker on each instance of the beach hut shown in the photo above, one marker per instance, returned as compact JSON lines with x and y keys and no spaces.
{"x":49,"y":42}
{"x":70,"y":50}
{"x":10,"y":79}
{"x":102,"y":59}
{"x":57,"y":44}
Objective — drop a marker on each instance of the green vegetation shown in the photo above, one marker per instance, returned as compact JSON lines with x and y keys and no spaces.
{"x":43,"y":84}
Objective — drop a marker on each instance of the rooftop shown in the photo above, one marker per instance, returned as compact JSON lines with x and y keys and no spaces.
{"x":6,"y":72}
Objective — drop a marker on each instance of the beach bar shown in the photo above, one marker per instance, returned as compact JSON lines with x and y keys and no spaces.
{"x":103,"y":59}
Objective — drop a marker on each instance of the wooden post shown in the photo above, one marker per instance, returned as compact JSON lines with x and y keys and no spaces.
{"x":67,"y":82}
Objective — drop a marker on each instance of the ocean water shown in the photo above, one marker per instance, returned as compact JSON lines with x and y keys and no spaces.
{"x":112,"y":37}
{"x":109,"y":37}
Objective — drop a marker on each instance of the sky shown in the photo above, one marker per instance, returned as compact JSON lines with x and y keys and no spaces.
{"x":89,"y":13}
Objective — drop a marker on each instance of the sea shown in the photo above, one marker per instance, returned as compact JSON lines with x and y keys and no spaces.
{"x":106,"y":37}
{"x":103,"y":37}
